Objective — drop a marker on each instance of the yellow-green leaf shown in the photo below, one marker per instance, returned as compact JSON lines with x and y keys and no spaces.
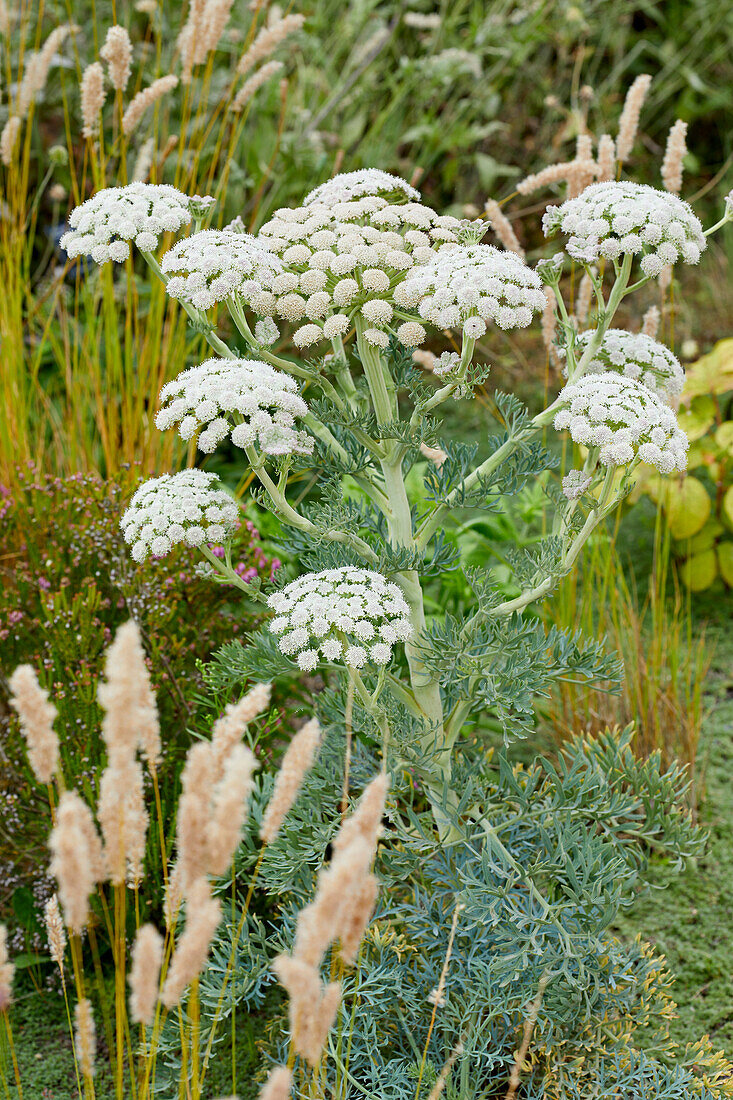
{"x":699,"y":571}
{"x":687,"y":505}
{"x":698,"y":418}
{"x":725,"y":562}
{"x":727,"y":509}
{"x":724,"y":436}
{"x":711,"y":374}
{"x":704,"y":539}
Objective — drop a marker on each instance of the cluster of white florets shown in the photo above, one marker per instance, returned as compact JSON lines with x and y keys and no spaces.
{"x":624,"y":420}
{"x":613,"y":219}
{"x":103,"y":226}
{"x":212,"y":265}
{"x":468,"y":285}
{"x":344,"y":259}
{"x":575,"y":483}
{"x":638,"y":356}
{"x":183,"y":508}
{"x":355,"y":185}
{"x":220,"y":392}
{"x":351,"y":615}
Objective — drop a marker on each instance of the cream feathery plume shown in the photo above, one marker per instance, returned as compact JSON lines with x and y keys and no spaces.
{"x":628,"y":123}
{"x":9,"y":139}
{"x":549,"y":323}
{"x":503,"y":227}
{"x":131,"y":716}
{"x":7,"y":970}
{"x":435,"y":454}
{"x":673,"y":157}
{"x":356,"y":919}
{"x":55,"y":931}
{"x":366,"y":820}
{"x":37,"y":715}
{"x":123,"y":820}
{"x":202,"y":919}
{"x":278,"y":1084}
{"x":192,"y":39}
{"x":296,"y":762}
{"x":650,"y":322}
{"x":424,"y":359}
{"x":664,"y":279}
{"x":144,"y":99}
{"x":73,"y":862}
{"x":254,"y":84}
{"x":229,"y":809}
{"x":215,"y":20}
{"x":606,"y":164}
{"x":5,"y":18}
{"x":228,"y":730}
{"x":37,"y":66}
{"x":267,"y":40}
{"x":194,"y":808}
{"x":147,"y":957}
{"x":320,"y":924}
{"x":313,"y":1006}
{"x":143,"y":161}
{"x":173,"y":896}
{"x":554,"y":173}
{"x":117,"y":52}
{"x":92,"y":99}
{"x":584,"y":167}
{"x":583,"y":300}
{"x":85,"y":1037}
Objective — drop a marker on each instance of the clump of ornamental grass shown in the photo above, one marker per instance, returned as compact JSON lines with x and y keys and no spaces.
{"x":530,"y":864}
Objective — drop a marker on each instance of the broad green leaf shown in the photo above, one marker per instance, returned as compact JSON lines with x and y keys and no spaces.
{"x":687,"y":505}
{"x":725,"y":561}
{"x":704,"y":539}
{"x":711,"y":374}
{"x":699,"y":571}
{"x":724,"y":436}
{"x":727,"y":509}
{"x":698,"y":419}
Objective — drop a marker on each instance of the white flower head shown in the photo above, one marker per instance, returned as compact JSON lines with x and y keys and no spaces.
{"x":613,"y":219}
{"x":242,"y":398}
{"x":624,"y":420}
{"x":212,"y":265}
{"x":575,"y":483}
{"x":103,"y":226}
{"x":468,"y":285}
{"x":350,"y":615}
{"x":638,"y":356}
{"x":347,"y":259}
{"x":186,"y":507}
{"x":355,"y":185}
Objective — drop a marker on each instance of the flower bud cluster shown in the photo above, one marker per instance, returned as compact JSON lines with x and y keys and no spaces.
{"x":212,"y":265}
{"x":242,"y":398}
{"x":355,"y":185}
{"x":351,"y":615}
{"x":103,"y":226}
{"x":345,"y":259}
{"x":468,"y":285}
{"x":610,"y":220}
{"x":638,"y":356}
{"x":186,"y":507}
{"x":624,"y":420}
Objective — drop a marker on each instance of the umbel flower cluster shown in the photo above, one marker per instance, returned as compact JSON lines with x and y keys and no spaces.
{"x":209,"y":266}
{"x":355,"y":185}
{"x":103,"y":226}
{"x":343,"y":260}
{"x":624,"y":420}
{"x":349,"y":614}
{"x":470,"y":285}
{"x":609,"y":220}
{"x":637,"y":356}
{"x":245,"y":399}
{"x":183,"y":508}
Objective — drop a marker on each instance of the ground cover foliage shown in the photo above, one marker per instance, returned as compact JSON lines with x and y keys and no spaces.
{"x":421,"y":900}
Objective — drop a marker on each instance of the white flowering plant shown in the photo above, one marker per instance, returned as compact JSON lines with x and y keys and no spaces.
{"x":360,"y":273}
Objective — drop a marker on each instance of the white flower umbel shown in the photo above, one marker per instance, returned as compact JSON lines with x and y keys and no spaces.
{"x":624,"y":420}
{"x":355,"y":185}
{"x":638,"y":356}
{"x":613,"y":219}
{"x":242,"y":398}
{"x":212,"y":265}
{"x":344,"y":261}
{"x":103,"y":226}
{"x":350,"y":615}
{"x":468,"y":285}
{"x":183,"y":508}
